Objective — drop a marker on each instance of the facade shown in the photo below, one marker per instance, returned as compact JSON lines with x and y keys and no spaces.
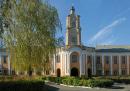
{"x":5,"y":68}
{"x":75,"y":59}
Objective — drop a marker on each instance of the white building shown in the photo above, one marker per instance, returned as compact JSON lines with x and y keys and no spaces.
{"x":76,"y":59}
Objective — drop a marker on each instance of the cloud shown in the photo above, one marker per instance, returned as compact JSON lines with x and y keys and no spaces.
{"x":105,"y":32}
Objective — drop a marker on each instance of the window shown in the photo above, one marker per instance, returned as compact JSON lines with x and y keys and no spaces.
{"x":58,"y":58}
{"x":89,"y":59}
{"x":74,"y":58}
{"x":99,"y":72}
{"x":115,"y":72}
{"x":115,"y":59}
{"x":107,"y":59}
{"x":123,"y":71}
{"x":4,"y":59}
{"x":107,"y":72}
{"x":123,"y":59}
{"x":98,"y":60}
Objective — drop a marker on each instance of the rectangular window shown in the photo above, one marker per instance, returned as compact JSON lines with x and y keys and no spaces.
{"x":98,"y":60}
{"x":4,"y":59}
{"x":115,"y":59}
{"x":107,"y":59}
{"x":99,"y":72}
{"x":123,"y":60}
{"x":58,"y":58}
{"x":115,"y":72}
{"x":123,"y":71}
{"x":107,"y":72}
{"x":89,"y":60}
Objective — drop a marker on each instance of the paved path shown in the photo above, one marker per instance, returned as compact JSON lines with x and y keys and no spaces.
{"x":54,"y":87}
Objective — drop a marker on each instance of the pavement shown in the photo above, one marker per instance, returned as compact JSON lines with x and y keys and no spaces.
{"x":55,"y":87}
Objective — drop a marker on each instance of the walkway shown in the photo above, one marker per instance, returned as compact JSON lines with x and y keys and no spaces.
{"x":54,"y":87}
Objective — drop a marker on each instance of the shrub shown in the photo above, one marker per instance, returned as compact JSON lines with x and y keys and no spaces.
{"x":25,"y":85}
{"x":125,"y":80}
{"x":83,"y":82}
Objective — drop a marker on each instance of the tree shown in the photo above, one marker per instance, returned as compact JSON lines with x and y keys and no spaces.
{"x":30,"y":36}
{"x":1,"y":18}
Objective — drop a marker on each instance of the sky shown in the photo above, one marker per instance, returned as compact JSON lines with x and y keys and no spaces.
{"x":103,"y":22}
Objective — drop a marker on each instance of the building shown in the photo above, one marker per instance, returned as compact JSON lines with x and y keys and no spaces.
{"x":76,"y":59}
{"x":5,"y":68}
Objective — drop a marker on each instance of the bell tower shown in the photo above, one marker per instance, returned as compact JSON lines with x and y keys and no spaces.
{"x":73,"y":29}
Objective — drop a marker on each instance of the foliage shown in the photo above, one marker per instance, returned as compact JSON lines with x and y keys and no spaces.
{"x":26,"y":85}
{"x":74,"y":81}
{"x":30,"y":35}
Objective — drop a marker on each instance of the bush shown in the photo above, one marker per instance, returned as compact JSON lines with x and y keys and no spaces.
{"x":100,"y":83}
{"x":25,"y":85}
{"x":125,"y":80}
{"x":2,"y":78}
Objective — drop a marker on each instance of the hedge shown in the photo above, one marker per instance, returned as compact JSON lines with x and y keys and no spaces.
{"x":22,"y":85}
{"x":74,"y":81}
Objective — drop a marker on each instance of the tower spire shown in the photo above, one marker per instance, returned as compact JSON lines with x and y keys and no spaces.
{"x":72,"y":10}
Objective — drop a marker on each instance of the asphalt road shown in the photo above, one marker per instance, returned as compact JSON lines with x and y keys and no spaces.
{"x":117,"y":87}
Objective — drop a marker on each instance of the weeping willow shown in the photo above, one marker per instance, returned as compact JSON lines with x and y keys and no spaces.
{"x":30,"y":35}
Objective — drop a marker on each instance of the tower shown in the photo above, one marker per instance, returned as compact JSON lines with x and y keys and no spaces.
{"x":73,"y":30}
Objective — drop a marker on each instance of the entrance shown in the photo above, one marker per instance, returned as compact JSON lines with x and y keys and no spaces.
{"x":74,"y":72}
{"x":58,"y":72}
{"x":89,"y":73}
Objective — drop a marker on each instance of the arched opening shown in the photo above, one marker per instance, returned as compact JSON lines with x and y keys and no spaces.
{"x":89,"y":73}
{"x":58,"y":72}
{"x":74,"y":72}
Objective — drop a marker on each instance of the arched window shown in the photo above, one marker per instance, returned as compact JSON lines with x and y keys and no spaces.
{"x":74,"y":57}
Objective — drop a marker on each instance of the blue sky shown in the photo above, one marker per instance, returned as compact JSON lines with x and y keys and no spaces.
{"x":103,"y":22}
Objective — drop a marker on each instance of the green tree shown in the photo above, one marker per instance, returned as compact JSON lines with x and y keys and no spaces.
{"x":30,"y":35}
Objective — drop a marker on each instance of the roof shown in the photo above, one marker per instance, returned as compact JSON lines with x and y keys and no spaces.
{"x":114,"y":50}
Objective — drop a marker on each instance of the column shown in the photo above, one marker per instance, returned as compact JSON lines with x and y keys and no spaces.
{"x":54,"y":64}
{"x":111,"y":67}
{"x":61,"y":63}
{"x":94,"y":64}
{"x":0,"y":64}
{"x":119,"y":65}
{"x":68,"y":65}
{"x":86,"y":70}
{"x":8,"y":64}
{"x":83,"y":64}
{"x":80,"y":61}
{"x":103,"y":65}
{"x":128,"y":68}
